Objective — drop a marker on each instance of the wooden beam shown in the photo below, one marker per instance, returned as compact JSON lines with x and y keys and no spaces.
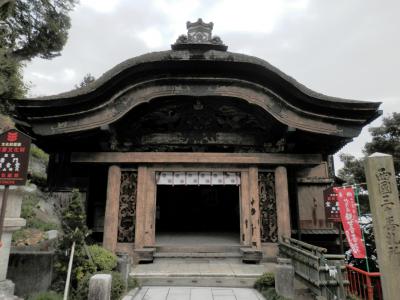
{"x":196,"y":157}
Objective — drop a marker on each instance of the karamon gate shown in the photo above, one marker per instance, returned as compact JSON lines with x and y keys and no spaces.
{"x":196,"y":145}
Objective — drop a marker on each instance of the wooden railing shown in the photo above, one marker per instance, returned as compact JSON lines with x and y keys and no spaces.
{"x":364,"y":285}
{"x":324,"y":274}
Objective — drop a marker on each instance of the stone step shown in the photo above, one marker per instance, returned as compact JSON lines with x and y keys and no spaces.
{"x":199,"y":281}
{"x":198,"y":248}
{"x":197,"y":260}
{"x":211,"y":272}
{"x":197,"y":255}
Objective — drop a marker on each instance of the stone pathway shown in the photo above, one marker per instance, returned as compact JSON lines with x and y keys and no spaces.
{"x":194,"y":293}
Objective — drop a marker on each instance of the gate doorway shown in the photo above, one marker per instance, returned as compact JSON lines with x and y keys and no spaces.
{"x":197,"y":214}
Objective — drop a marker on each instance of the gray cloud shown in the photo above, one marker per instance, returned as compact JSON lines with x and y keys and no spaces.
{"x":342,"y":48}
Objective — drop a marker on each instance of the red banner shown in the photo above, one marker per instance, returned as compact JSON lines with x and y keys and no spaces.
{"x":349,"y":217}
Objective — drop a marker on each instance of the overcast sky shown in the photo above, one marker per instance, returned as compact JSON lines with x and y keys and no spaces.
{"x":343,"y":48}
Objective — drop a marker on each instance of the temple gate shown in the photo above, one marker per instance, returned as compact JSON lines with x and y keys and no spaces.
{"x":199,"y":137}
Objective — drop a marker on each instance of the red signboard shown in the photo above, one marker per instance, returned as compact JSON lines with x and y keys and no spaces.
{"x":349,"y":217}
{"x":332,"y":213}
{"x":14,"y":157}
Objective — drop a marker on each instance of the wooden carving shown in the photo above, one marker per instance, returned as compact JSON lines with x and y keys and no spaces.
{"x":127,"y":207}
{"x":266,"y":188}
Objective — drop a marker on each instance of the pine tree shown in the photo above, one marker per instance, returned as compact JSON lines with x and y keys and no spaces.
{"x":29,"y":29}
{"x":73,"y":225}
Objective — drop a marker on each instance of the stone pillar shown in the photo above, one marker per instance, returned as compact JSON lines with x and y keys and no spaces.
{"x":100,"y":287}
{"x":112,"y":209}
{"x":284,"y":278}
{"x":12,"y":223}
{"x":385,"y":208}
{"x":254,"y":208}
{"x":282,"y":202}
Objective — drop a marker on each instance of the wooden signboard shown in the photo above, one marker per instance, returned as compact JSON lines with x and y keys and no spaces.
{"x":332,"y":213}
{"x":14,"y":157}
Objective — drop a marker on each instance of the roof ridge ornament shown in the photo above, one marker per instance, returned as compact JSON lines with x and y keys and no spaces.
{"x":199,"y":36}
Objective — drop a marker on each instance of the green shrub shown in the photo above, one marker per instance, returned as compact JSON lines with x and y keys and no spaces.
{"x":118,"y":286}
{"x":132,"y":283}
{"x":29,"y":205}
{"x":46,"y":296}
{"x":41,"y":225}
{"x":265,"y":281}
{"x":39,"y":153}
{"x":20,"y":234}
{"x":270,"y":294}
{"x":103,"y":259}
{"x":74,"y":227}
{"x":29,"y":202}
{"x":352,"y":297}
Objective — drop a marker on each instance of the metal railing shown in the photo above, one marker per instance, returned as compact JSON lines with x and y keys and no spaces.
{"x":364,"y":285}
{"x":324,"y":274}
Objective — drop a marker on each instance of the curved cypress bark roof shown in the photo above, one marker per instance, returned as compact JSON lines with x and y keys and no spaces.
{"x":194,"y":70}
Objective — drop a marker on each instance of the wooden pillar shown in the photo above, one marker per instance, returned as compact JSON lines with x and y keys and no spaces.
{"x":245,"y":219}
{"x":150,"y":206}
{"x":254,"y":208}
{"x":141,"y":207}
{"x":112,"y":208}
{"x":282,"y":202}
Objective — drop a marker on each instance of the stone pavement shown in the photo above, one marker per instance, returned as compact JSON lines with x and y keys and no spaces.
{"x":194,"y":293}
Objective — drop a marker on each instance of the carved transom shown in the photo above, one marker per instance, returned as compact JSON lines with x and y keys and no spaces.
{"x":196,"y":125}
{"x":127,"y":207}
{"x":268,"y":214}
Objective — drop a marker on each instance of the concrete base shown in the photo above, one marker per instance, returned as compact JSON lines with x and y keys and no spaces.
{"x":100,"y":287}
{"x":7,"y":288}
{"x":12,"y":222}
{"x":124,"y":265}
{"x":31,"y":271}
{"x":251,"y":255}
{"x":284,"y":278}
{"x":145,"y":255}
{"x":5,"y":254}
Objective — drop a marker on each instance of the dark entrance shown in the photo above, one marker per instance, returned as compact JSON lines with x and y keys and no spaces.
{"x":198,"y":209}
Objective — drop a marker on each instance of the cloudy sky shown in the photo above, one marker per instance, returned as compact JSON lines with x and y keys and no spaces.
{"x":343,"y":48}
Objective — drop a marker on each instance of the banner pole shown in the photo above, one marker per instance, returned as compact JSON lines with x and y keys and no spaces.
{"x":362,"y":230}
{"x":3,"y":212}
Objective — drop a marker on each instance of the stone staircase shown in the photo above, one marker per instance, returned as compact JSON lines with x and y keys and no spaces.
{"x":216,"y":252}
{"x":204,"y":252}
{"x":207,"y":272}
{"x":203,"y":265}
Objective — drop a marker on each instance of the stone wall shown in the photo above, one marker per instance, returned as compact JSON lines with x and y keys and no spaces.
{"x":31,"y":271}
